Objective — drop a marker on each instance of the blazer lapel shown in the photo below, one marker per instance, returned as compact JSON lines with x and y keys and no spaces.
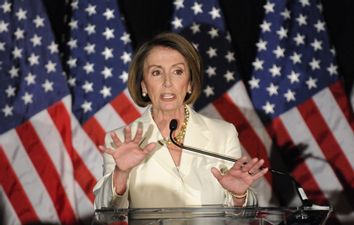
{"x":197,"y":136}
{"x":152,"y":134}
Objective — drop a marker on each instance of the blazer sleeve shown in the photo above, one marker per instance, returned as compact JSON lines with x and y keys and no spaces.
{"x":105,"y":195}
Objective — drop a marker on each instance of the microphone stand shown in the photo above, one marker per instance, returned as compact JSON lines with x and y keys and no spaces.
{"x":300,"y":191}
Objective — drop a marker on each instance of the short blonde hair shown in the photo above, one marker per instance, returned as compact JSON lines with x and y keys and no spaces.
{"x":176,"y":42}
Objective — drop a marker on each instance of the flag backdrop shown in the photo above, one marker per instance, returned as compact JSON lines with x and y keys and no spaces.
{"x":51,"y":121}
{"x":59,"y":118}
{"x":296,"y":89}
{"x":224,"y":94}
{"x":38,"y":171}
{"x":307,"y":123}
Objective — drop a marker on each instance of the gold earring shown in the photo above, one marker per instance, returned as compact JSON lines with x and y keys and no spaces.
{"x":189,"y":91}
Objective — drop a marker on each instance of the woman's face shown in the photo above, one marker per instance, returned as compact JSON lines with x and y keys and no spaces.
{"x":166,"y":78}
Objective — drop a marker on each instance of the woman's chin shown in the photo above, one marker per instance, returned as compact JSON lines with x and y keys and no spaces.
{"x":170,"y":106}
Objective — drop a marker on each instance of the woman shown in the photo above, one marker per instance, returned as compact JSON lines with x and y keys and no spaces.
{"x":143,"y":169}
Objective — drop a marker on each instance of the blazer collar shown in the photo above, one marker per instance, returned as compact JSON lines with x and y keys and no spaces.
{"x":197,"y":136}
{"x":197,"y":133}
{"x":152,"y":134}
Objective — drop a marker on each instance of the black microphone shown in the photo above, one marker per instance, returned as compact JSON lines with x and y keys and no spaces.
{"x":300,"y":191}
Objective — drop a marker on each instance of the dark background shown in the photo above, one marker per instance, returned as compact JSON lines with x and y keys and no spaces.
{"x":145,"y":18}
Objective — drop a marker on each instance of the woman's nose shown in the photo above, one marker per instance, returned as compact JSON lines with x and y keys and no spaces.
{"x":167,"y":80}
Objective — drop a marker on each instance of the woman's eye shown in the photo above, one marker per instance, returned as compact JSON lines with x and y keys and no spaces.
{"x":179,"y":72}
{"x":155,"y":73}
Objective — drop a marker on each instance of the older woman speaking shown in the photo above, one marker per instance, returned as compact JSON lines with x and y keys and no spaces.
{"x":143,"y":168}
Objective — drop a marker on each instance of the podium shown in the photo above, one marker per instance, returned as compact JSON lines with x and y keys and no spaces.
{"x":214,"y":215}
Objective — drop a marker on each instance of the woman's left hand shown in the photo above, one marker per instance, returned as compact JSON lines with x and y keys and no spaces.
{"x":241,"y":175}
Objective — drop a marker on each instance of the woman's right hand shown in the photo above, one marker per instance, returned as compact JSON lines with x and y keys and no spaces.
{"x":129,"y":153}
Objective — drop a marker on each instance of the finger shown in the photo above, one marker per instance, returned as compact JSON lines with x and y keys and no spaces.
{"x":127,"y":134}
{"x":248,"y":165}
{"x":261,"y":173}
{"x":103,"y":149}
{"x":256,"y":167}
{"x":139,"y":133}
{"x":216,"y":173}
{"x":149,"y":148}
{"x":240,"y":162}
{"x":115,"y":139}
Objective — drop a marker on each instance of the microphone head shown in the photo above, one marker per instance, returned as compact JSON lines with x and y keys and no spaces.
{"x":173,"y":124}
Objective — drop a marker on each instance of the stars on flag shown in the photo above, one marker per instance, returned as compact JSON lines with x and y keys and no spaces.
{"x":258,"y":64}
{"x":10,"y":91}
{"x":6,"y":7}
{"x":279,"y":52}
{"x":32,"y":72}
{"x":275,"y":70}
{"x":178,"y":4}
{"x":197,"y":8}
{"x":254,"y":82}
{"x":21,"y":14}
{"x":215,"y":13}
{"x":108,"y":33}
{"x":265,"y":26}
{"x":261,"y":45}
{"x":19,"y":34}
{"x":7,"y":110}
{"x":201,"y":22}
{"x":99,"y":53}
{"x":53,"y":48}
{"x":38,"y":21}
{"x":291,"y":57}
{"x":109,"y":14}
{"x":126,"y":38}
{"x":269,"y":7}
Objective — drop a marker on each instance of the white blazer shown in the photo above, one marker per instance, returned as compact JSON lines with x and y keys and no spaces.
{"x":157,"y":182}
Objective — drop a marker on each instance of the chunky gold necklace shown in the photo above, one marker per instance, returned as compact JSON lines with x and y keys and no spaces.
{"x":179,"y":137}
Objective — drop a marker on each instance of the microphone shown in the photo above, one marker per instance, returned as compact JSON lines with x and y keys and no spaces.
{"x":300,"y":191}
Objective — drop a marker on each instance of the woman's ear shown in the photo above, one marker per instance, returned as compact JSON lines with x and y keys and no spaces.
{"x":143,"y":87}
{"x":189,"y":90}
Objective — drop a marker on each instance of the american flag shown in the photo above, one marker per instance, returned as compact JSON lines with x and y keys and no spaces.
{"x":224,"y":94}
{"x":296,"y":89}
{"x":38,"y":177}
{"x":47,"y":116}
{"x":51,"y":121}
{"x":299,"y":118}
{"x":97,"y":55}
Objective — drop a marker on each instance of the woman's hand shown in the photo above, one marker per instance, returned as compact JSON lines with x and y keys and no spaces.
{"x":129,"y":153}
{"x":241,"y":175}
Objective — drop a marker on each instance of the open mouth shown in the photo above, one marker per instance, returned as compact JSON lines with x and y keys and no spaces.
{"x":167,"y":96}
